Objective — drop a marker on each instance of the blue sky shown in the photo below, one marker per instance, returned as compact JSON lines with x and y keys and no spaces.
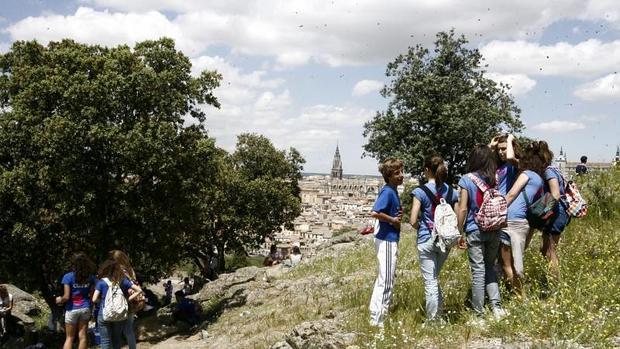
{"x":307,"y":73}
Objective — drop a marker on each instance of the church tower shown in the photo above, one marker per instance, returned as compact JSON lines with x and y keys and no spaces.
{"x":561,"y":162}
{"x":617,"y":158}
{"x":337,"y":165}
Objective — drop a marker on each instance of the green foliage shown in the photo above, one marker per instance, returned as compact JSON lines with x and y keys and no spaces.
{"x":94,"y":156}
{"x":257,"y":193}
{"x":439,"y":103}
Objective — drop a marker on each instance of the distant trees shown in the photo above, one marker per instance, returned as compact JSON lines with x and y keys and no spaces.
{"x":439,"y":103}
{"x":94,"y":155}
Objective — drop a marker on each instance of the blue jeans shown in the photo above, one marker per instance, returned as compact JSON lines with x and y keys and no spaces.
{"x":128,"y":331}
{"x":110,"y":332}
{"x":482,"y":248}
{"x":431,"y":260}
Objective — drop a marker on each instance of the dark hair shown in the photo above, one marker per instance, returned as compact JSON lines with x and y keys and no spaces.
{"x":179,"y":293}
{"x":482,"y":160}
{"x":534,"y":158}
{"x":503,"y":138}
{"x":437,"y":167}
{"x":82,"y":266}
{"x":584,"y":159}
{"x":389,"y":166}
{"x":296,"y":250}
{"x":4,"y":292}
{"x":546,"y":152}
{"x":112,"y":270}
{"x":273,"y":249}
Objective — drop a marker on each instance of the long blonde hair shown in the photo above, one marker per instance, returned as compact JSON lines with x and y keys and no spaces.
{"x":123,"y":260}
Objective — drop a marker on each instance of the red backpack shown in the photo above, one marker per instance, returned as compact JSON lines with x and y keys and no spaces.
{"x":494,"y":209}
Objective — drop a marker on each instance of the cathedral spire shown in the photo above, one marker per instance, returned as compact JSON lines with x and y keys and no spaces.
{"x":337,"y":165}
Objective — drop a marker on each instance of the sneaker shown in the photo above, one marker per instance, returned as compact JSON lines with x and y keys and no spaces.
{"x":499,"y":313}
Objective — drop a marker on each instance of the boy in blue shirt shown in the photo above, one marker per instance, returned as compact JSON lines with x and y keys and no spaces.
{"x":389,"y":213}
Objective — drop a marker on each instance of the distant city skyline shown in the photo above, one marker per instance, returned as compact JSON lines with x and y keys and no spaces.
{"x":307,"y":74}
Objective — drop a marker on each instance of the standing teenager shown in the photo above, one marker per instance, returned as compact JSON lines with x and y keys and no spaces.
{"x":554,"y":184}
{"x":527,"y":188}
{"x":482,"y":247}
{"x":111,"y":273}
{"x":430,"y":255}
{"x":78,"y":286}
{"x":123,"y":260}
{"x":388,"y":211}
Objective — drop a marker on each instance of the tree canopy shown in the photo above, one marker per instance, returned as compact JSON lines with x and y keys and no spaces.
{"x":96,"y":154}
{"x":440,"y":103}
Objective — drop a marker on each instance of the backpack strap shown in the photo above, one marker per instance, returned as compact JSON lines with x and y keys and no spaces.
{"x":449,"y":195}
{"x":478,"y":182}
{"x":430,"y":194}
{"x":527,"y":201}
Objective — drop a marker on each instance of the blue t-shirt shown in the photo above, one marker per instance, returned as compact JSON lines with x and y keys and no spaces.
{"x":102,"y":287}
{"x":506,"y":176}
{"x":427,"y":207}
{"x":387,"y":202}
{"x":554,"y":173}
{"x":80,"y":292}
{"x":533,"y":188}
{"x":474,"y":196}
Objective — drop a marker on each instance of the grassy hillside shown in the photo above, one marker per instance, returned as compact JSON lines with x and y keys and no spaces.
{"x":582,"y":307}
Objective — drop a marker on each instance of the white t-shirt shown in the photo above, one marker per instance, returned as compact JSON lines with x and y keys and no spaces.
{"x":295,"y":259}
{"x":6,"y":302}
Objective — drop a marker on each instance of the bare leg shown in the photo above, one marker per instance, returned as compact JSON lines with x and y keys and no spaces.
{"x":529,"y":237}
{"x":506,"y":254}
{"x":70,"y":330}
{"x":549,"y":250}
{"x":82,"y":334}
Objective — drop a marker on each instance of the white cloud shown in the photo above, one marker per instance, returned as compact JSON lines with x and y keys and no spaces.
{"x":297,"y":32}
{"x":605,"y":88}
{"x":559,"y":126}
{"x":520,"y":84}
{"x":364,"y":87}
{"x":561,"y":59}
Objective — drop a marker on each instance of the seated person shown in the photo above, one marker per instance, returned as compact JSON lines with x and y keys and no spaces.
{"x":6,"y":305}
{"x":274,"y":257}
{"x":186,"y":309}
{"x":294,"y":258}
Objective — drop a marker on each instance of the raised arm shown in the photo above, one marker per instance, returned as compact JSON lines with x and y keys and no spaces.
{"x":137,"y":291}
{"x":516,"y":188}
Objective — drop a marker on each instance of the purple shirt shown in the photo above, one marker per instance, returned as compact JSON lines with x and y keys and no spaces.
{"x":506,"y":175}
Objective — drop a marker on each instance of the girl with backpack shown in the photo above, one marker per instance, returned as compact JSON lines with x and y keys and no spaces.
{"x":128,"y":331}
{"x":431,"y":256}
{"x":78,"y":285}
{"x":482,"y":246}
{"x":526,"y":190}
{"x":554,"y":184}
{"x":113,"y":286}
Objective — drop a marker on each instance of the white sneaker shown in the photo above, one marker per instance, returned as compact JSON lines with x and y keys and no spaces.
{"x":499,"y":313}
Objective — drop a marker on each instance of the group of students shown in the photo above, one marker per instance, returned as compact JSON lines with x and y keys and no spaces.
{"x":85,"y":294}
{"x":520,"y":177}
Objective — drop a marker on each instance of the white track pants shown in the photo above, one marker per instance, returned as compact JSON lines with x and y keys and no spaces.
{"x":387,"y":252}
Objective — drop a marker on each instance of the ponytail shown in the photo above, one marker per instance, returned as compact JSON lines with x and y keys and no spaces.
{"x":438,"y":169}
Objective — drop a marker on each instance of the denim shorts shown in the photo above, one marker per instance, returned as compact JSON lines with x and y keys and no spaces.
{"x":504,"y":238}
{"x":77,"y":315}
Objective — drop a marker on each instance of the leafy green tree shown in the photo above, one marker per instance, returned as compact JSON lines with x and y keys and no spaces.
{"x":439,"y":103}
{"x":257,"y":194}
{"x":94,"y":155}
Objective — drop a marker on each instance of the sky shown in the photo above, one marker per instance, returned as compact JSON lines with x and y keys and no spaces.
{"x":307,"y":74}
